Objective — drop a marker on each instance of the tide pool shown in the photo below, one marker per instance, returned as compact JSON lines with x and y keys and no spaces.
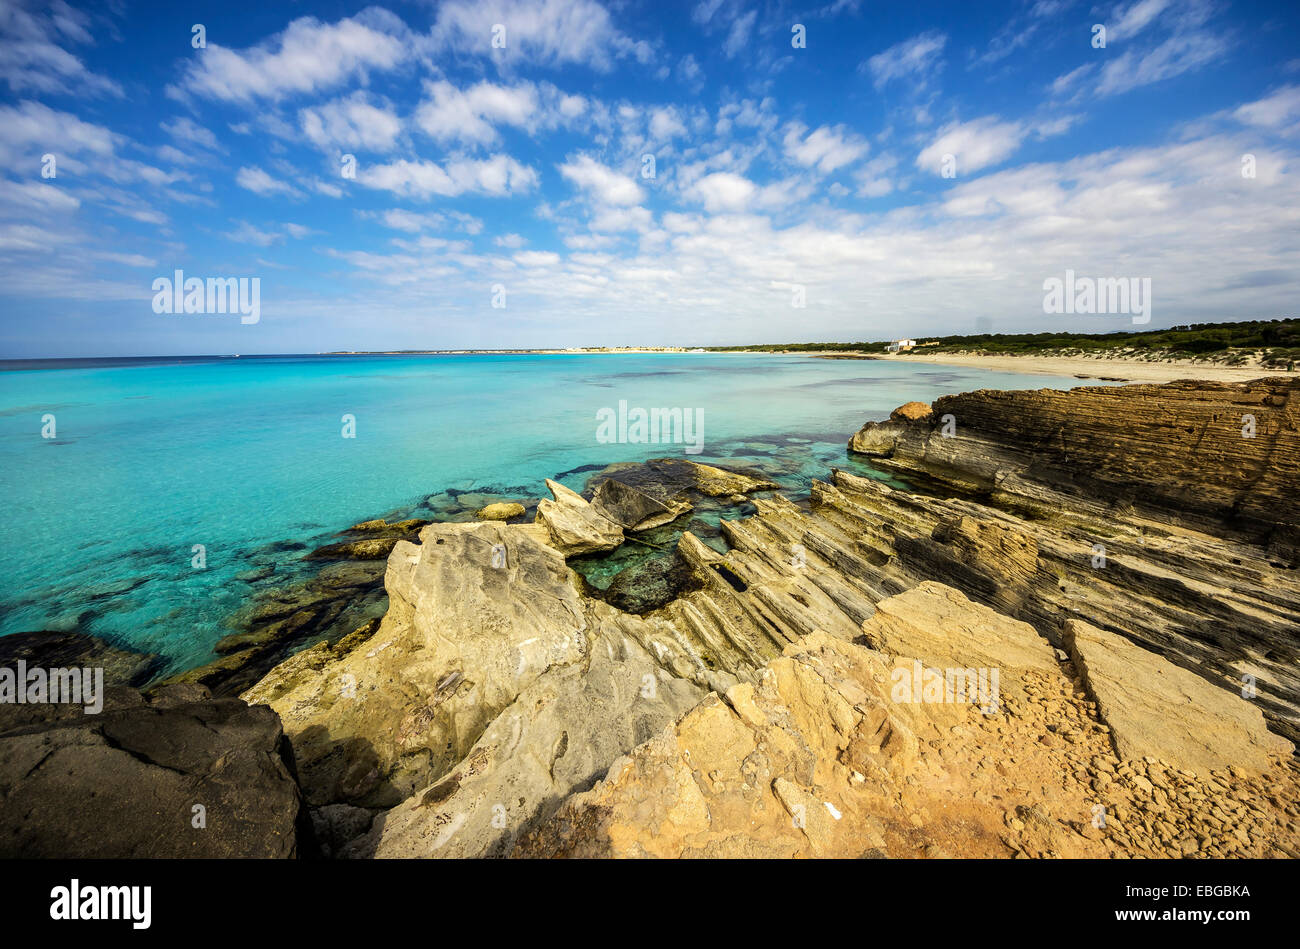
{"x":152,"y":457}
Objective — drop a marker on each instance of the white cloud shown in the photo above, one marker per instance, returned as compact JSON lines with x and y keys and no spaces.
{"x":1273,"y":111}
{"x":1175,"y":56}
{"x":34,"y":197}
{"x":916,"y":59}
{"x":33,"y":130}
{"x":188,"y":132}
{"x":309,"y":56}
{"x":246,"y":233}
{"x":1132,"y":20}
{"x":738,"y":37}
{"x":351,"y":122}
{"x":409,"y":221}
{"x":723,"y":191}
{"x":256,"y":180}
{"x":603,"y":185}
{"x":874,"y":178}
{"x":498,"y":176}
{"x":540,"y":32}
{"x":537,"y":258}
{"x":826,"y":148}
{"x":975,"y":144}
{"x":665,"y":124}
{"x":450,"y":114}
{"x":33,"y":57}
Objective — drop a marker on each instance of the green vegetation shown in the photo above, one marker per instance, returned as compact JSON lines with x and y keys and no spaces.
{"x":1276,"y":341}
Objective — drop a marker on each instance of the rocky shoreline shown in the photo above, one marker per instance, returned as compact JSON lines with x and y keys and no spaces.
{"x":1124,"y":558}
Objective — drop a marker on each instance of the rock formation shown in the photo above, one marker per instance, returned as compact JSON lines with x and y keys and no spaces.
{"x":1065,"y":627}
{"x":501,"y":511}
{"x":822,"y":756}
{"x":179,"y":774}
{"x":574,"y":525}
{"x":1098,"y":648}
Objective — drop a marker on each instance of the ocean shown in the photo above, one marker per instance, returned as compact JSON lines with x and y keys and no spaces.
{"x":113,"y":471}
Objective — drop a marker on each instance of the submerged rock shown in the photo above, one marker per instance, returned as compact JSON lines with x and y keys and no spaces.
{"x":501,"y":511}
{"x":377,"y":548}
{"x":64,"y":650}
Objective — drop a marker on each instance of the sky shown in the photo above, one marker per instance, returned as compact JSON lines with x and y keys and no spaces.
{"x":556,"y":173}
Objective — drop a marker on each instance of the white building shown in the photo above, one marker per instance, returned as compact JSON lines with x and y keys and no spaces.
{"x":899,"y":345}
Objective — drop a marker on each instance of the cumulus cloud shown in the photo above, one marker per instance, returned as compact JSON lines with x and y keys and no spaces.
{"x":351,"y":122}
{"x":497,"y":176}
{"x":309,"y":56}
{"x":603,"y":185}
{"x":469,"y":115}
{"x":825,"y":149}
{"x":974,"y":145}
{"x":723,"y":191}
{"x":538,"y":32}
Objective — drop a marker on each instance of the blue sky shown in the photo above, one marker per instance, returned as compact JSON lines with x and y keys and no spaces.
{"x":779,"y":172}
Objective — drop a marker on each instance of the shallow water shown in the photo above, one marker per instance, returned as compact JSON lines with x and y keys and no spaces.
{"x":153,"y":457}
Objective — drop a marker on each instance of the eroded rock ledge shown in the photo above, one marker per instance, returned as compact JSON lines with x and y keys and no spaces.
{"x":501,"y":708}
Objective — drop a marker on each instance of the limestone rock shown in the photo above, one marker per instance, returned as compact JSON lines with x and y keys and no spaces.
{"x":1178,"y":448}
{"x":575,"y":526}
{"x":1155,"y":708}
{"x":945,"y":630}
{"x":561,"y":732}
{"x":911,"y":412}
{"x":877,"y":439}
{"x":501,"y":511}
{"x":476,"y":612}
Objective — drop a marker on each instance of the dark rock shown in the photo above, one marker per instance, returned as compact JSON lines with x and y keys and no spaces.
{"x":633,"y":509}
{"x":125,"y":783}
{"x":650,"y":584}
{"x":63,"y":650}
{"x":377,"y":548}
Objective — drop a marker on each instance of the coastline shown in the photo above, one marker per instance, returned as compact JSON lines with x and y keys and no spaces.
{"x":798,"y":619}
{"x":1084,"y":367}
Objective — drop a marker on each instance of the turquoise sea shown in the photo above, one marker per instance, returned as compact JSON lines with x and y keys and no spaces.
{"x":151,"y":457}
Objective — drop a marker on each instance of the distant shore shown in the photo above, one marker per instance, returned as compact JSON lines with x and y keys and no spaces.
{"x":1102,"y":368}
{"x":1107,"y":368}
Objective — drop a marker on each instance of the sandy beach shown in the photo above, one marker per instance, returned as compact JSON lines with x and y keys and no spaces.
{"x":1127,"y":370}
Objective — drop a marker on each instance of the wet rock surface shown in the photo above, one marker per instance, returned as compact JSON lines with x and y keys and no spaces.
{"x":64,"y":650}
